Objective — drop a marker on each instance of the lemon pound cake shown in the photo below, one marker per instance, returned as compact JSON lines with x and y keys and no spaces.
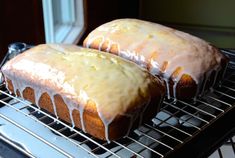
{"x":100,"y":93}
{"x":188,"y":65}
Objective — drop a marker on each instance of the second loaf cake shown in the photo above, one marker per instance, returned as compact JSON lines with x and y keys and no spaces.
{"x":100,"y":93}
{"x":188,"y":65}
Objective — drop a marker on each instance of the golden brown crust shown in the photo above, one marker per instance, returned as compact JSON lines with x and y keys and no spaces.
{"x":45,"y":102}
{"x":61,"y":108}
{"x":186,"y":87}
{"x":93,"y":124}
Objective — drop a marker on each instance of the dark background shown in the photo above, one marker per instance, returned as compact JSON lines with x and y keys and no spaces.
{"x":212,"y":20}
{"x":22,"y":20}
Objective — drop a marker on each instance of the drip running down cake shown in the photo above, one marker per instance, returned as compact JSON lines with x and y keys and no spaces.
{"x":100,"y":93}
{"x":188,"y":65}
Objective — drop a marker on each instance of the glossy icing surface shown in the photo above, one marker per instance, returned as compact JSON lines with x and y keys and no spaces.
{"x":80,"y":75}
{"x":163,"y":50}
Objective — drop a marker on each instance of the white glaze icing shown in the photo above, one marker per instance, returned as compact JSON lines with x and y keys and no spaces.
{"x":37,"y":95}
{"x":73,"y":106}
{"x":80,"y":75}
{"x":53,"y":103}
{"x":174,"y":89}
{"x":7,"y":86}
{"x":167,"y":87}
{"x":153,"y":44}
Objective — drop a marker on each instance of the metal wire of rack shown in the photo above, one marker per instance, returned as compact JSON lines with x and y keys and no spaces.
{"x":176,"y":123}
{"x":226,"y":150}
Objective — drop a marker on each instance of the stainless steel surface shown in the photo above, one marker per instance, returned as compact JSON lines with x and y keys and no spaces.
{"x":227,"y":150}
{"x":16,"y":146}
{"x":179,"y":122}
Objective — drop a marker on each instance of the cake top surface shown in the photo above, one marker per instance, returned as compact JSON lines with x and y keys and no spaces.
{"x":163,"y":49}
{"x":83,"y":75}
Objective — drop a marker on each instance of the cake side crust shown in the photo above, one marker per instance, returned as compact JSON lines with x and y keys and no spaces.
{"x":93,"y":124}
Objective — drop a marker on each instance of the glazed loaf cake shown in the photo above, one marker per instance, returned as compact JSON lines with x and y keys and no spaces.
{"x":188,"y":65}
{"x":100,"y":93}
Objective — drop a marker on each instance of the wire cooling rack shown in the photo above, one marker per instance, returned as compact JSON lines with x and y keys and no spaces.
{"x":176,"y":123}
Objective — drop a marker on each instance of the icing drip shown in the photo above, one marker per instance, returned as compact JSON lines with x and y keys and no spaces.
{"x":72,"y":120}
{"x":166,"y":78}
{"x":132,"y":117}
{"x":73,"y":106}
{"x":18,"y":86}
{"x":175,"y":89}
{"x":109,"y":46}
{"x":167,"y":88}
{"x":37,"y":95}
{"x":6,"y":83}
{"x":91,"y":41}
{"x":81,"y":118}
{"x":101,"y":44}
{"x":106,"y":123}
{"x":154,"y":67}
{"x":53,"y":104}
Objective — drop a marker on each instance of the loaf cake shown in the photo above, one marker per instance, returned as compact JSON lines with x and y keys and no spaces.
{"x":188,"y":65}
{"x":100,"y":93}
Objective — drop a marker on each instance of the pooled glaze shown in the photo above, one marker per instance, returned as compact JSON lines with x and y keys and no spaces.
{"x":161,"y":49}
{"x":80,"y":75}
